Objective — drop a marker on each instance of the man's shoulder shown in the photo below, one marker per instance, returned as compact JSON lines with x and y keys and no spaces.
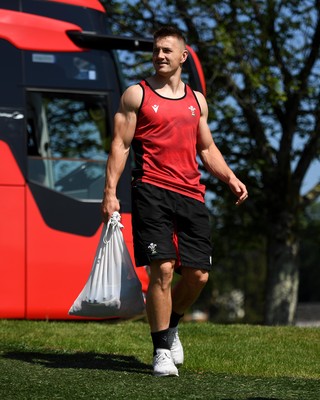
{"x":132,"y":96}
{"x":201,"y":99}
{"x":198,"y":95}
{"x":136,"y":88}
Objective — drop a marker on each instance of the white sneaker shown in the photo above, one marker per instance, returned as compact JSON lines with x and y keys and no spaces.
{"x":175,"y":346}
{"x":163,"y":364}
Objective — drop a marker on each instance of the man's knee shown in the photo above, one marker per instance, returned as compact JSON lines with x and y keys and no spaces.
{"x":161,"y":272}
{"x":201,"y":277}
{"x":195,"y":277}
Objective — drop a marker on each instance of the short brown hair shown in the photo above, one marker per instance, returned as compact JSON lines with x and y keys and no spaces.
{"x":169,"y":31}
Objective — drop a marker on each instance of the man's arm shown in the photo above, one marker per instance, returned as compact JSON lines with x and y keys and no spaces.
{"x":212,"y":158}
{"x":124,"y":128}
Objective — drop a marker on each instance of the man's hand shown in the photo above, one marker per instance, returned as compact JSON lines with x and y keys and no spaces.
{"x":239,"y":189}
{"x":109,"y":205}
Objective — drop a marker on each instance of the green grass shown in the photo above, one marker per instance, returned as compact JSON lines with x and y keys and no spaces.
{"x":104,"y":360}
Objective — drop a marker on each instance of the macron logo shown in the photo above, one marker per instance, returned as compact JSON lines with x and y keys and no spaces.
{"x":155,"y":108}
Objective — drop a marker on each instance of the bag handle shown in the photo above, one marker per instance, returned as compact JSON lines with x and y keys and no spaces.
{"x":113,"y":222}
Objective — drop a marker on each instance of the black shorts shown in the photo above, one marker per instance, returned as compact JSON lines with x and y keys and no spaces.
{"x":167,"y":225}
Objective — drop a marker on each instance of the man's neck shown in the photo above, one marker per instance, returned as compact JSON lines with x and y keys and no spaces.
{"x":171,"y":87}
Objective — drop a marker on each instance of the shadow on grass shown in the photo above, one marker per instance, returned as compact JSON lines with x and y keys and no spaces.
{"x":110,"y":362}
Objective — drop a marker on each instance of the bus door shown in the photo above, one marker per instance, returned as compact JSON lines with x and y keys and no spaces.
{"x":68,"y":139}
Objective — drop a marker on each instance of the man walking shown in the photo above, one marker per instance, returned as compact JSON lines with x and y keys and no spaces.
{"x":165,"y":123}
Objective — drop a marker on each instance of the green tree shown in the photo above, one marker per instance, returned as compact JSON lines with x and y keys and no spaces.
{"x":262,"y":66}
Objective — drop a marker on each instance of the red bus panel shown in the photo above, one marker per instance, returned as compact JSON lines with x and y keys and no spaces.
{"x":12,"y":237}
{"x":33,"y":32}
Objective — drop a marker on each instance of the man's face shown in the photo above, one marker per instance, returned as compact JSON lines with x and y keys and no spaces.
{"x":169,"y":53}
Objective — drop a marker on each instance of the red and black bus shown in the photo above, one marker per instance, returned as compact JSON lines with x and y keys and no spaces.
{"x":61,"y":80}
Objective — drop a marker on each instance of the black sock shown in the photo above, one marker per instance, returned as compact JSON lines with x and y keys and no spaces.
{"x":160,"y":340}
{"x":174,"y":319}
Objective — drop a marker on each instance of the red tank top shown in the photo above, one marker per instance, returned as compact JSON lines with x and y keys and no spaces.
{"x":165,"y":140}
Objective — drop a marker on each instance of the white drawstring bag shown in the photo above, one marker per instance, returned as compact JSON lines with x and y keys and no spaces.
{"x":113,"y":288}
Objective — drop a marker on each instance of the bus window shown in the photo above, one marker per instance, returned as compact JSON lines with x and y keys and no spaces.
{"x":68,"y":141}
{"x":78,"y":71}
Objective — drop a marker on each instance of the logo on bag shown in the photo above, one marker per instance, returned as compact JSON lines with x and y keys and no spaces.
{"x":153,"y":248}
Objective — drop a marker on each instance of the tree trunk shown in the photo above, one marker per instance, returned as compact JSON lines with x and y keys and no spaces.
{"x":283,"y":273}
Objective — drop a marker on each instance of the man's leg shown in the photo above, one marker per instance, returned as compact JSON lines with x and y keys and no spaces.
{"x":158,"y":301}
{"x":158,"y":306}
{"x":188,"y":288}
{"x":185,"y":293}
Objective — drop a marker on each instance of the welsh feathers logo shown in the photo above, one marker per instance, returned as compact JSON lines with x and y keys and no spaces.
{"x":153,"y":248}
{"x":193,"y":110}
